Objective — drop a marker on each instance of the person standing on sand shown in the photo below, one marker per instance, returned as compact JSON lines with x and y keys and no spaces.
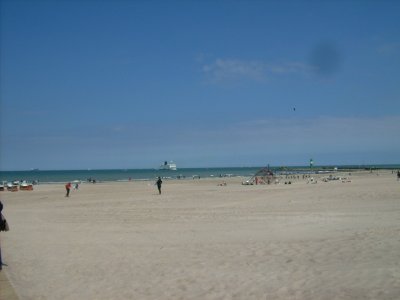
{"x":1,"y":262}
{"x":3,"y":227}
{"x":159,"y":183}
{"x":68,"y":188}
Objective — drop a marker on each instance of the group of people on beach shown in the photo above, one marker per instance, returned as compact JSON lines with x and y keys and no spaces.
{"x":159,"y":182}
{"x":69,"y":185}
{"x":68,"y":188}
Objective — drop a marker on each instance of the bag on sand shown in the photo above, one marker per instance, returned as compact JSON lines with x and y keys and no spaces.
{"x":3,"y":224}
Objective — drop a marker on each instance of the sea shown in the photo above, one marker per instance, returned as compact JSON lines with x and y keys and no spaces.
{"x":57,"y":176}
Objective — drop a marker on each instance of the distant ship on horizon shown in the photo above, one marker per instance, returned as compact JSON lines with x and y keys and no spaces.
{"x":168,"y":166}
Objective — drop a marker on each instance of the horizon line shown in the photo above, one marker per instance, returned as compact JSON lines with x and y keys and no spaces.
{"x":370,"y":165}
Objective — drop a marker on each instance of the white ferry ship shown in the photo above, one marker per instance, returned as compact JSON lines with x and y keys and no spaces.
{"x":168,"y":166}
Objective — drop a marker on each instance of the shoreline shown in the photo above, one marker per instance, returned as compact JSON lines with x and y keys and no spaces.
{"x":176,"y":175}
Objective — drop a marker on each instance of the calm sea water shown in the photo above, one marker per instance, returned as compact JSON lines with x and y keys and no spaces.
{"x":121,"y":175}
{"x":151,"y":174}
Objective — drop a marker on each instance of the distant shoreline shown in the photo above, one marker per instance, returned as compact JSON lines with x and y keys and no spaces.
{"x":125,"y":175}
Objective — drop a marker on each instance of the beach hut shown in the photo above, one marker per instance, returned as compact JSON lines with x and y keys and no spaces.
{"x":26,"y":186}
{"x":12,"y":187}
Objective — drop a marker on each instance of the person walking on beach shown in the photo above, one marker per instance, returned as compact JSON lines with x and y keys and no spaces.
{"x":159,"y":183}
{"x":68,"y":188}
{"x":398,"y":175}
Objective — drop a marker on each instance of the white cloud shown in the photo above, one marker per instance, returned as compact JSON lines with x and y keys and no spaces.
{"x":235,"y":69}
{"x":228,"y":69}
{"x":290,"y":67}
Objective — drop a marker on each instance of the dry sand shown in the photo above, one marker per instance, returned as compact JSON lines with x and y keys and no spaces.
{"x":198,"y":240}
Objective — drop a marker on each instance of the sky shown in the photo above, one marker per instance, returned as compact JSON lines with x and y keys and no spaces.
{"x":129,"y":84}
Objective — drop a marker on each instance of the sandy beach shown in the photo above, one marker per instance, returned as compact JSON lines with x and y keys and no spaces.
{"x":198,"y":240}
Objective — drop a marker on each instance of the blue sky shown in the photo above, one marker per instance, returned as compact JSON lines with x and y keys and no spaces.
{"x":129,"y":84}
